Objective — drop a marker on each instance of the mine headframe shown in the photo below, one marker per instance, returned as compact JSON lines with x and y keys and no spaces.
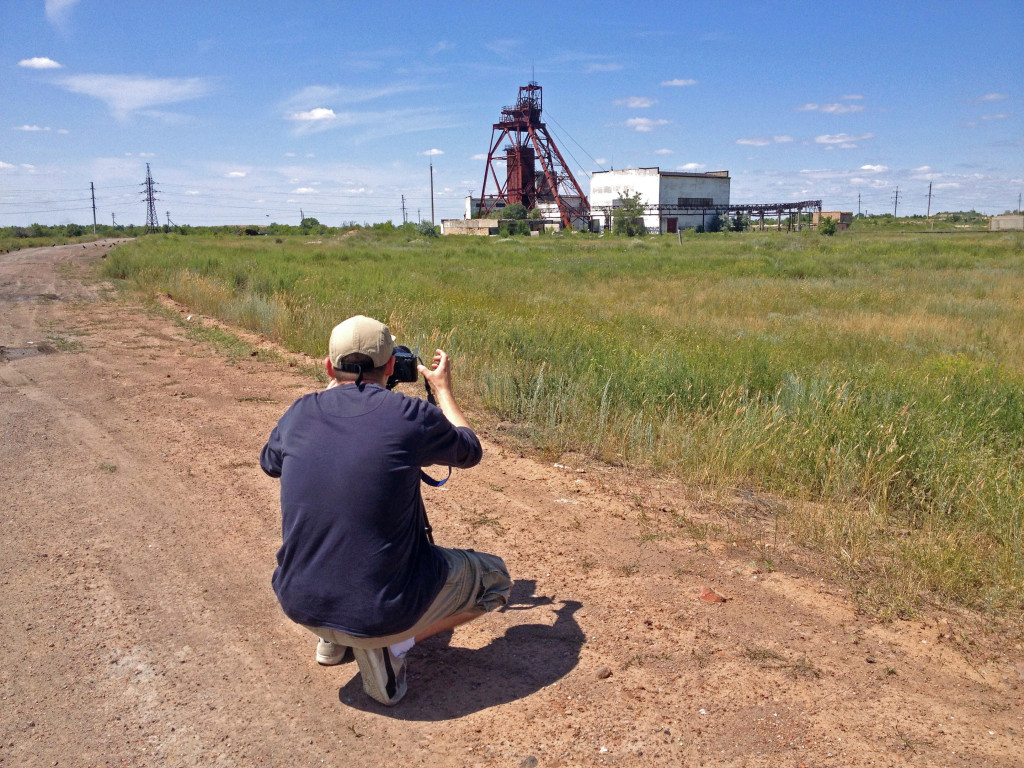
{"x":525,"y":142}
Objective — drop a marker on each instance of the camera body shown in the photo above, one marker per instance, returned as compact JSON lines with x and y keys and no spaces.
{"x":406,"y":362}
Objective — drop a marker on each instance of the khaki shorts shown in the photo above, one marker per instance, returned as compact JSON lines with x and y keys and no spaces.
{"x":477,"y":583}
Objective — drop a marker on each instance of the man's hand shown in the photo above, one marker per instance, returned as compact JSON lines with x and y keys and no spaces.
{"x":440,"y":380}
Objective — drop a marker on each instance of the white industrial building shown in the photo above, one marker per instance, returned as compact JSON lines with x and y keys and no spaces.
{"x":673,"y":200}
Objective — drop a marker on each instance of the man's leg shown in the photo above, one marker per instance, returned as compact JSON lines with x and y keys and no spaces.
{"x":443,"y":625}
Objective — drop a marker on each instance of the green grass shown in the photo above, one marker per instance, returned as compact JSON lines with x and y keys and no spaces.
{"x":879,"y":373}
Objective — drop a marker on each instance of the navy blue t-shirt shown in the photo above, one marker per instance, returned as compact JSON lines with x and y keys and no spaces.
{"x":354,"y":555}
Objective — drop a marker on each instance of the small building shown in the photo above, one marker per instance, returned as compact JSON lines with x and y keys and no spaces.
{"x":673,"y":200}
{"x":843,"y":219}
{"x":1006,"y":221}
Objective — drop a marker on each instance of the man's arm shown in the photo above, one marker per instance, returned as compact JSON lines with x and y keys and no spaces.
{"x":440,"y":380}
{"x":271,"y":459}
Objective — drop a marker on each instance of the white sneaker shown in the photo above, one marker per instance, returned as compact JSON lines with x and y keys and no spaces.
{"x":383,"y":674}
{"x":328,"y":654}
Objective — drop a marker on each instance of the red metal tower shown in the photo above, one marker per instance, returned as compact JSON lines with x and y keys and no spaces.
{"x":529,"y":142}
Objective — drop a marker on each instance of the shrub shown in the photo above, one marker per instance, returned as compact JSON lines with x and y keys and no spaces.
{"x":426,"y":229}
{"x":827,"y":226}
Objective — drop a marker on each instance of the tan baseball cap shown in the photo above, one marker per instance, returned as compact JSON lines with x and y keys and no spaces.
{"x":362,"y":335}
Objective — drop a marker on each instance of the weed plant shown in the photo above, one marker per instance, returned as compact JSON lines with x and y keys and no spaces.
{"x":882,"y":374}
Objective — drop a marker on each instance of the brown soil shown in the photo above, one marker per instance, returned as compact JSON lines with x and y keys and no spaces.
{"x":139,"y":628}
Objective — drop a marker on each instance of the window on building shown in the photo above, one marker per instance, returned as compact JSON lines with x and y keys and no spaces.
{"x":696,"y":202}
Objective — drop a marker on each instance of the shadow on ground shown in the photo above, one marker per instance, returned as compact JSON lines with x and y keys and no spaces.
{"x":446,"y":682}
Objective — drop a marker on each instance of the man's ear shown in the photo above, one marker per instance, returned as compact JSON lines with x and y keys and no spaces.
{"x":390,"y":367}
{"x":330,"y":367}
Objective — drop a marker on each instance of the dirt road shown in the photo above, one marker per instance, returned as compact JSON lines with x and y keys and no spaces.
{"x":138,"y":626}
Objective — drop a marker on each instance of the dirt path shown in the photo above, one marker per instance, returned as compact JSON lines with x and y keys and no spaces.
{"x":139,"y":628}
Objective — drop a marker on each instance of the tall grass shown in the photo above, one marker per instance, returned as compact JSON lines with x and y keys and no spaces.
{"x":882,"y":374}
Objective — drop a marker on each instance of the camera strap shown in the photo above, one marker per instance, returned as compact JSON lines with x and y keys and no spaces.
{"x":423,"y":475}
{"x":431,"y":481}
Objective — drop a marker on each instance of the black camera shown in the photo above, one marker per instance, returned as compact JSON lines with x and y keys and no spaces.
{"x":406,"y":362}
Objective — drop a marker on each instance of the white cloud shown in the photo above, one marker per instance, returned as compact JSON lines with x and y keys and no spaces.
{"x":58,"y":11}
{"x":842,"y":140}
{"x":313,"y":115}
{"x":690,"y":167}
{"x":304,"y":191}
{"x":39,"y":62}
{"x":600,"y":160}
{"x":679,"y":82}
{"x":831,"y":109}
{"x":290,"y":154}
{"x":125,"y":94}
{"x":851,"y":97}
{"x":1001,"y":116}
{"x":923,"y":169}
{"x":316,"y":95}
{"x":235,"y":175}
{"x":991,"y":97}
{"x":764,"y":141}
{"x":31,"y":128}
{"x":5,"y":165}
{"x":663,"y":152}
{"x":478,"y":157}
{"x":432,"y":152}
{"x":595,"y":66}
{"x":636,"y":102}
{"x":644,"y":124}
{"x":875,"y":168}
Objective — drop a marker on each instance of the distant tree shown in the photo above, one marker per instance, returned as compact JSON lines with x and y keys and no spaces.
{"x":716,"y":223}
{"x":628,"y":218}
{"x":740,"y":222}
{"x":514,"y":211}
{"x":827,"y":226}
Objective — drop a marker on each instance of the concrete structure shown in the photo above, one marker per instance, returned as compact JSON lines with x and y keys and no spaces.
{"x":672,"y":200}
{"x":843,"y":219}
{"x":1007,"y":221}
{"x":490,"y":226}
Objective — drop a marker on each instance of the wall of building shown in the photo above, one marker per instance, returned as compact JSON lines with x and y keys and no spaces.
{"x":661,"y":188}
{"x":1006,"y":221}
{"x":843,"y":219}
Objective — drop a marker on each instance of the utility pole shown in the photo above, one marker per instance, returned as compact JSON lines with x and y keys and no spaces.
{"x":930,"y":206}
{"x":150,"y":192}
{"x":858,"y":205}
{"x":404,"y":219}
{"x":92,"y":189}
{"x":431,"y":193}
{"x":302,"y":217}
{"x":896,"y":203}
{"x":113,"y":221}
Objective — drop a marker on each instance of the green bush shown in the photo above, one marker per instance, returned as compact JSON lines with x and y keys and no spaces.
{"x":427,"y":229}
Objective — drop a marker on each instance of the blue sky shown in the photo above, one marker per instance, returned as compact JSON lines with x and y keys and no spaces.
{"x":254,"y":112}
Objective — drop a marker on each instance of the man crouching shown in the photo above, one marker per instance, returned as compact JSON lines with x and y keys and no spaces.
{"x":356,"y":566}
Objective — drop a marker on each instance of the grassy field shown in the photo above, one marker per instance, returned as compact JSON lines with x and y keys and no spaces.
{"x":876,"y":379}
